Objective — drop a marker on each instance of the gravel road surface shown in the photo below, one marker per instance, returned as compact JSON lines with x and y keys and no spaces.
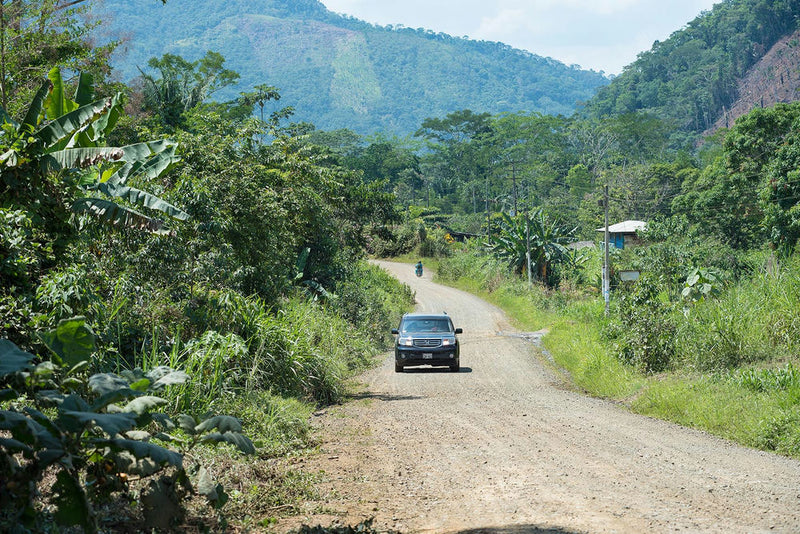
{"x":504,"y":447}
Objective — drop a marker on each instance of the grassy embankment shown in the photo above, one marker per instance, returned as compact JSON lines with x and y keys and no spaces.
{"x":272,"y":373}
{"x":734,"y":371}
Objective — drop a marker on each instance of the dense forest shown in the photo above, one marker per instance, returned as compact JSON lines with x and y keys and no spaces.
{"x":340,"y":72}
{"x":182,"y":270}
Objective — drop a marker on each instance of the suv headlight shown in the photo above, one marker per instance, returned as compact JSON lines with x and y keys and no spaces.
{"x":405,"y":341}
{"x":447,"y":341}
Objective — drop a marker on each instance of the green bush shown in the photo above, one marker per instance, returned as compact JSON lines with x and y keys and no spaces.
{"x":644,"y":329}
{"x":278,"y":425}
{"x":473,"y":263}
{"x":780,"y":379}
{"x":372,"y":301}
{"x":435,"y":244}
{"x":781,"y":433}
{"x":394,"y":242}
{"x":93,"y":432}
{"x":756,"y":319}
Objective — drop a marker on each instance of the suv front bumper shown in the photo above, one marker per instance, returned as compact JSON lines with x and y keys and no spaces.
{"x":416,"y":356}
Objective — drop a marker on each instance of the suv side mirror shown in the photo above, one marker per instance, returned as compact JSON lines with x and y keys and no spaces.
{"x":459,"y":331}
{"x":394,"y":331}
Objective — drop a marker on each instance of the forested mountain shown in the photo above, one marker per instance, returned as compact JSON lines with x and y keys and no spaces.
{"x":694,"y":78}
{"x":340,"y":72}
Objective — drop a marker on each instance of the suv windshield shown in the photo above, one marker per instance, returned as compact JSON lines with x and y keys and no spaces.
{"x":426,"y":325}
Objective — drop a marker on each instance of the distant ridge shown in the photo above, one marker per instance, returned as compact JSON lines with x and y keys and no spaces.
{"x":340,"y":72}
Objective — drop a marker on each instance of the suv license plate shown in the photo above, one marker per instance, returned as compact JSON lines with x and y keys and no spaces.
{"x":427,"y":355}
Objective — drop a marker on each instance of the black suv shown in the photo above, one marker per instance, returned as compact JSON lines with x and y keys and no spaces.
{"x":426,"y":339}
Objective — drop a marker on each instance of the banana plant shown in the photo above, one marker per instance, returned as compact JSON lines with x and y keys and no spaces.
{"x":65,"y":138}
{"x":546,"y":240}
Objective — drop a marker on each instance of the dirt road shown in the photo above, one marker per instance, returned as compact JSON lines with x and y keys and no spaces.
{"x":503,"y":447}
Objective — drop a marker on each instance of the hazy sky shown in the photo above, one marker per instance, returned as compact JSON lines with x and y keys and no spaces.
{"x":602,"y":35}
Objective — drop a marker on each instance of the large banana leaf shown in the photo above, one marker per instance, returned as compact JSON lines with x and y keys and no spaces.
{"x":112,"y":213}
{"x":85,"y":89}
{"x":31,"y":119}
{"x":146,"y":170}
{"x":80,"y":158}
{"x":62,"y":129}
{"x":87,"y":156}
{"x":57,"y":104}
{"x":142,"y":198}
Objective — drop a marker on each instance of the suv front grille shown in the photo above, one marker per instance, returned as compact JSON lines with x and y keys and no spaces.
{"x":427,"y":343}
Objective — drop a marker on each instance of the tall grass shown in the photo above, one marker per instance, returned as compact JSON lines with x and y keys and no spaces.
{"x":304,"y":349}
{"x":756,"y":320}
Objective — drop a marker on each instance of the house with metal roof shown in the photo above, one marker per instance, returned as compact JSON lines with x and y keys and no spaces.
{"x":624,"y":233}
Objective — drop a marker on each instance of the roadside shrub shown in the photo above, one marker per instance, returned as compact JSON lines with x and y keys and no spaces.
{"x":473,"y":263}
{"x":781,"y":433}
{"x":64,"y":292}
{"x":373,"y":301}
{"x":395,"y":241}
{"x":436,"y":244}
{"x":753,"y":320}
{"x":95,"y":434}
{"x":219,"y":361}
{"x":305,"y":351}
{"x":780,"y":379}
{"x":644,"y":329}
{"x":278,"y":425}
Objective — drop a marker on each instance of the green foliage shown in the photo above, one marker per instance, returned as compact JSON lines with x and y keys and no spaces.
{"x":673,"y":249}
{"x":50,"y":36}
{"x":473,"y":265}
{"x":21,"y":252}
{"x":54,"y":168}
{"x":372,"y":301}
{"x":701,"y":284}
{"x":183,"y":85}
{"x":753,"y":320}
{"x":436,"y":244}
{"x":783,"y":378}
{"x":643,"y":331}
{"x":95,"y":431}
{"x":780,"y":433}
{"x":278,"y":425}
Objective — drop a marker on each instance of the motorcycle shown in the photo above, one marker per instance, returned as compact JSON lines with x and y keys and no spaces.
{"x":418,"y":270}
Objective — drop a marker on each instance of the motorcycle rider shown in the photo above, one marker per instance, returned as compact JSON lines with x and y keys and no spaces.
{"x":418,"y":268}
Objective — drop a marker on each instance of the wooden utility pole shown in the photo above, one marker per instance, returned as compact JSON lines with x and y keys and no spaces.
{"x":606,"y":269}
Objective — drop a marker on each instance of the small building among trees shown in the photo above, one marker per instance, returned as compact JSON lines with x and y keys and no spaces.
{"x":624,"y":233}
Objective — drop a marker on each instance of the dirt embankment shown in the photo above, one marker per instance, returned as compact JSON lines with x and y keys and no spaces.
{"x":503,"y":447}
